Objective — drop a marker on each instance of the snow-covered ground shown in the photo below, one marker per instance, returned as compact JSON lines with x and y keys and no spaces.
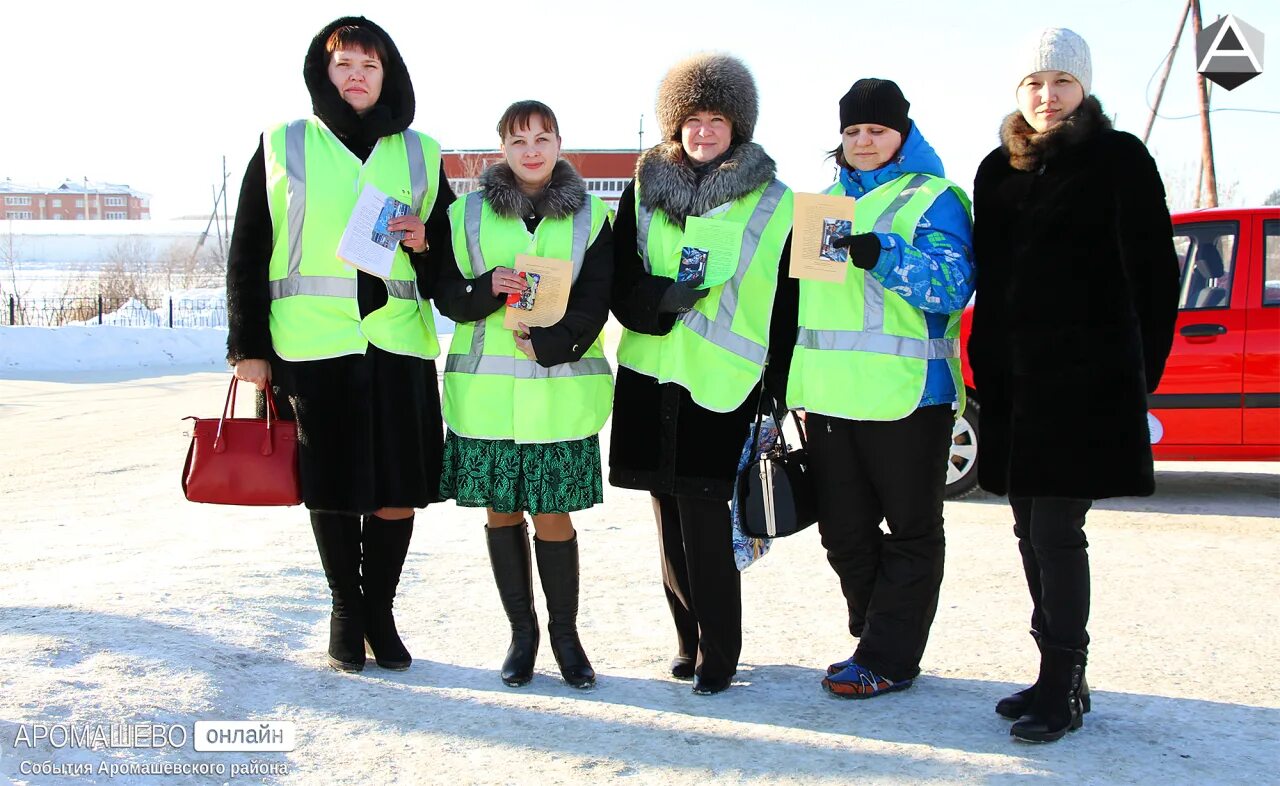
{"x":121,"y":603}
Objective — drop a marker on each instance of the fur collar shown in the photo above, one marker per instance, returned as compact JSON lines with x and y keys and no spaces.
{"x":670,"y":184}
{"x":1030,"y":151}
{"x":392,"y":114}
{"x":564,"y":194}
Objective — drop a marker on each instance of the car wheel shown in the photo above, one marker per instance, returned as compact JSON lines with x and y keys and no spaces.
{"x":962,"y":464}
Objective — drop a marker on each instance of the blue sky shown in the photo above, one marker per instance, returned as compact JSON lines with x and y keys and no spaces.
{"x":154,"y":94}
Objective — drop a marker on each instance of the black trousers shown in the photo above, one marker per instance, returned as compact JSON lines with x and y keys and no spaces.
{"x":701,"y":580}
{"x":896,"y":472}
{"x":1055,"y":559}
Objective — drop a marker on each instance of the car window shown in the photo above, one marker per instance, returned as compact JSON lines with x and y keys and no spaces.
{"x":1271,"y":264}
{"x":1207,"y":257}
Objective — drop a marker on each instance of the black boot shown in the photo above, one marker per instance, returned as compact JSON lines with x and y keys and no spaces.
{"x":558,"y":569}
{"x":338,"y":541}
{"x":386,"y":543}
{"x":1056,"y":708}
{"x":513,"y":573}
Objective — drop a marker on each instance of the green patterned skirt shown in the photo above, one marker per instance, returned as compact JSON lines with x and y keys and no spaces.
{"x":557,"y":477}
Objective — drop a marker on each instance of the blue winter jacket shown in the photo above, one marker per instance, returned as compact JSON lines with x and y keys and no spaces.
{"x":934,"y":272}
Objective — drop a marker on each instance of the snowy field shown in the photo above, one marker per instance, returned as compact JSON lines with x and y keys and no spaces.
{"x":122,"y":604}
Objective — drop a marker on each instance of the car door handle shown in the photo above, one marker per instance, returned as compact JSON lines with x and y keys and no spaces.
{"x":1203,"y":332}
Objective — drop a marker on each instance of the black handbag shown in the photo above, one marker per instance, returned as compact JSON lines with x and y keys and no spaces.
{"x":775,"y":489}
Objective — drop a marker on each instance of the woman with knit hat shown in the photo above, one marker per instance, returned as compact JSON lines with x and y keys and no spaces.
{"x":351,"y":351}
{"x":694,"y":351}
{"x":876,"y":368}
{"x":1074,"y":318}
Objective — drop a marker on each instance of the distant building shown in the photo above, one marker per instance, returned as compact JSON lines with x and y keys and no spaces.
{"x":607,"y":172}
{"x":73,"y":201}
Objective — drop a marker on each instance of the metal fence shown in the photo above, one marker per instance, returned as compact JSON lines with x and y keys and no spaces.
{"x":121,"y":311}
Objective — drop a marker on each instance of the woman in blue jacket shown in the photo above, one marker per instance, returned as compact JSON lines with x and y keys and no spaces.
{"x":876,"y":367}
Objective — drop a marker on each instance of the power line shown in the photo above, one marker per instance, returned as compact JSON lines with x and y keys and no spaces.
{"x":1147,"y":98}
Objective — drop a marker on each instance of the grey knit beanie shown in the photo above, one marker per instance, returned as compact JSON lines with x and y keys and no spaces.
{"x":1057,"y":49}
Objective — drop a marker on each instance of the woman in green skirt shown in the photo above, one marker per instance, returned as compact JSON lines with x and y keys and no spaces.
{"x":524,"y":405}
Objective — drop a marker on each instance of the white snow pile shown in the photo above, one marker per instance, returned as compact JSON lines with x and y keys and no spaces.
{"x":106,"y":346}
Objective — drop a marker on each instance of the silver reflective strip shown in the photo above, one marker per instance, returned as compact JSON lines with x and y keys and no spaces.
{"x":523,"y":368}
{"x":872,"y":289}
{"x":718,"y":209}
{"x":471,"y":227}
{"x":880,"y":343}
{"x":581,"y":236}
{"x":750,"y":242}
{"x":405,"y":290}
{"x":721,"y":334}
{"x":417,"y":168}
{"x":318,"y":286}
{"x":295,"y":161}
{"x":644,"y":217}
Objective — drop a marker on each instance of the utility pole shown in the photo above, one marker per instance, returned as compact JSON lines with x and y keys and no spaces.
{"x":1206,"y":136}
{"x":640,"y":142}
{"x":226,"y":226}
{"x":1168,"y":66}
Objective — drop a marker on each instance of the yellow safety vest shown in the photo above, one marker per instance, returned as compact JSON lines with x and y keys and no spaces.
{"x":491,"y":389}
{"x":862,"y":351}
{"x":313,"y":182}
{"x":717,"y":350}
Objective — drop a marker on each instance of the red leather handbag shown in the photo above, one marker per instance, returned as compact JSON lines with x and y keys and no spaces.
{"x":242,"y":461}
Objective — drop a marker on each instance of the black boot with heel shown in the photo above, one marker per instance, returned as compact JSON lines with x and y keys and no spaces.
{"x":338,"y":541}
{"x":1018,"y":704}
{"x":513,"y":573}
{"x":1056,"y":707}
{"x":558,"y":570}
{"x":386,"y":544}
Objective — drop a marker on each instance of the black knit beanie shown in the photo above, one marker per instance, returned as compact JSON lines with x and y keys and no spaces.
{"x":878,"y":101}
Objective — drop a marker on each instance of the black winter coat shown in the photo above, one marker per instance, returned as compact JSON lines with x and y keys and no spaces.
{"x":1075,"y":308}
{"x":663,"y":442}
{"x":370,"y":433}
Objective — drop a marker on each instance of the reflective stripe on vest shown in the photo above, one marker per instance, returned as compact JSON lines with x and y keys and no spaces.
{"x":500,"y":394}
{"x":720,"y":331}
{"x":716,"y":350}
{"x":881,"y":373}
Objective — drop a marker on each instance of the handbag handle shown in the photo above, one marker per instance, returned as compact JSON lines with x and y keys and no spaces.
{"x":229,"y":410}
{"x":780,"y":417}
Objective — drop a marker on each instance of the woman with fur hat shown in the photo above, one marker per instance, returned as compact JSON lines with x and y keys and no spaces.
{"x":352,"y":352}
{"x":1070,"y":208}
{"x":524,"y":406}
{"x":877,"y":369}
{"x":694,"y":350}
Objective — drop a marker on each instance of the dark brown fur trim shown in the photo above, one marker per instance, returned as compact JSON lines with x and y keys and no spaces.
{"x":1028,"y":150}
{"x":564,"y":194}
{"x":668,"y":182}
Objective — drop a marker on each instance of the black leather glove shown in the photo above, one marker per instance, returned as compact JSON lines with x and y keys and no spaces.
{"x":864,"y":249}
{"x":680,"y":298}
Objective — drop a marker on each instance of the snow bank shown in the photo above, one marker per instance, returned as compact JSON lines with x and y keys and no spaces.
{"x":104,"y":347}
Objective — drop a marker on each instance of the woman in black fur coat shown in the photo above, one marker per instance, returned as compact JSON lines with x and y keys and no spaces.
{"x":1076,"y":301}
{"x":370,"y":433}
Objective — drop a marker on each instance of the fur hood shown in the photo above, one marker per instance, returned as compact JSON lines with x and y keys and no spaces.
{"x":564,"y":194}
{"x":392,"y":114}
{"x":1029,"y":151}
{"x":669,"y":183}
{"x":709,"y":82}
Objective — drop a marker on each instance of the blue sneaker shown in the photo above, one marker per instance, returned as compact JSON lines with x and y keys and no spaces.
{"x":836,"y":668}
{"x":859,"y":682}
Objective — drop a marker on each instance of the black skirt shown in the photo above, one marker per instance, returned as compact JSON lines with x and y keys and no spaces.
{"x":369,"y":429}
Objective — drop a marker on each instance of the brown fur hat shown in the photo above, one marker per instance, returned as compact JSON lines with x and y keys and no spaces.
{"x":709,"y":82}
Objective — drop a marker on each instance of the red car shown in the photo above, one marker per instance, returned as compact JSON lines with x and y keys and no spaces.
{"x":1219,"y":399}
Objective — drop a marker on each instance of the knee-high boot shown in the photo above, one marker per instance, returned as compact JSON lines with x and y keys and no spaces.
{"x":558,"y":570}
{"x":338,"y":541}
{"x":1056,"y":708}
{"x":513,"y":573}
{"x":386,"y":544}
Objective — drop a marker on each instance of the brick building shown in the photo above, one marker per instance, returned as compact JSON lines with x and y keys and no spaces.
{"x":73,"y":201}
{"x":607,"y":172}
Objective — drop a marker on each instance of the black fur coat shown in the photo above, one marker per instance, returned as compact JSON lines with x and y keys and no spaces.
{"x":370,"y":432}
{"x":663,"y":442}
{"x":1076,"y":301}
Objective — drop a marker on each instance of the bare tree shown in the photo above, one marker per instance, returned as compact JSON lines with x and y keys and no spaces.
{"x":1273,"y":199}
